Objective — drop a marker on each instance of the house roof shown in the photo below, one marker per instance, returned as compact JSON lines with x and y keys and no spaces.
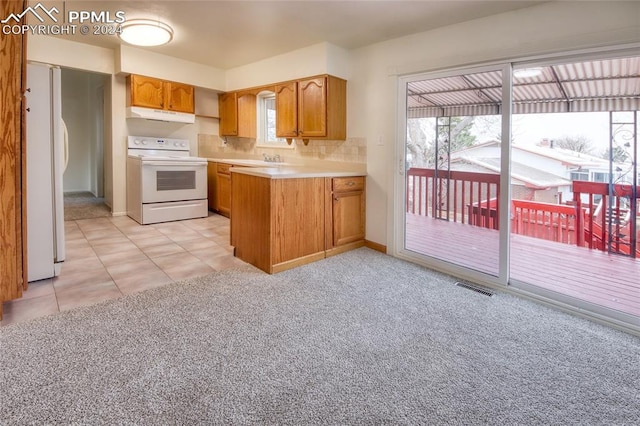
{"x":598,"y":85}
{"x":520,"y":173}
{"x":565,"y":156}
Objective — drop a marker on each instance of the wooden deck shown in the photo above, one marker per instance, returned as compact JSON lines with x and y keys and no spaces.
{"x":611,"y":281}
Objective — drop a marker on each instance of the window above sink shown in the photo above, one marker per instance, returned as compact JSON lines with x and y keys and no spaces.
{"x":266,"y":112}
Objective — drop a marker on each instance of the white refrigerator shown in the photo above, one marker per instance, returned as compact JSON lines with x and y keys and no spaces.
{"x":46,"y":161}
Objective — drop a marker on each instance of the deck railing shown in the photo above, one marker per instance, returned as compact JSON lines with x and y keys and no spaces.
{"x":554,"y":222}
{"x":455,"y":196}
{"x":472,"y":198}
{"x":611,"y":219}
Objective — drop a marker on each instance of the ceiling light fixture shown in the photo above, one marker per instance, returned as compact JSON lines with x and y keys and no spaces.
{"x":146,"y":32}
{"x":527,"y":72}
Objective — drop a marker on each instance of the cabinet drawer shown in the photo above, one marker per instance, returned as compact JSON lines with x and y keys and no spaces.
{"x":223,"y":168}
{"x":348,"y":184}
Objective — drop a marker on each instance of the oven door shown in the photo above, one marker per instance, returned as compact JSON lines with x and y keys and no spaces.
{"x":173,"y":180}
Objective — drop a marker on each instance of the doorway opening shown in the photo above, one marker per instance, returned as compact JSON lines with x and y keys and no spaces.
{"x":83,"y":112}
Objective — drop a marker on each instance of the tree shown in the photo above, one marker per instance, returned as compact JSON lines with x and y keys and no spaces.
{"x":575,"y":143}
{"x":421,"y":135}
{"x":619,"y":154}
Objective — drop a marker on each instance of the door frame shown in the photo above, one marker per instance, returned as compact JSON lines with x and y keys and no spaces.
{"x":396,"y":222}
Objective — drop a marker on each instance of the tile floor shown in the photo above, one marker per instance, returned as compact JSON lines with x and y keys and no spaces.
{"x":107,"y":258}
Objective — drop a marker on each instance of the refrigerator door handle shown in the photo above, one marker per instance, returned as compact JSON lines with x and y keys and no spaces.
{"x":65,"y":133}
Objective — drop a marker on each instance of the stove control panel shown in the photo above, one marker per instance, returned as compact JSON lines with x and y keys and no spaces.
{"x":144,"y":142}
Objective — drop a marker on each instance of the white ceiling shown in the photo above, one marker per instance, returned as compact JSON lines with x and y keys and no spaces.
{"x":227,"y":34}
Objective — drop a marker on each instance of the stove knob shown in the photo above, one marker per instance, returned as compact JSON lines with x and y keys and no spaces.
{"x":144,"y":142}
{"x":136,"y":142}
{"x":183,"y":144}
{"x":175,"y":144}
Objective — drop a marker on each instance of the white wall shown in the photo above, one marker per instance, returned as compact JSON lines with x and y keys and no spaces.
{"x":322,"y":58}
{"x":69,"y":54}
{"x":540,"y":30}
{"x":131,"y":60}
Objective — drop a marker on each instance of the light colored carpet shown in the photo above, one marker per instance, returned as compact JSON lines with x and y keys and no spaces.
{"x":84,"y":205}
{"x":360,"y":338}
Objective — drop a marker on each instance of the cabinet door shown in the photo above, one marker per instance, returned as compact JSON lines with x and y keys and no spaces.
{"x":312,"y":108}
{"x":147,"y":92}
{"x":247,"y":115}
{"x":348,"y":217}
{"x":211,"y":186}
{"x":180,"y":97}
{"x":228,"y":110}
{"x":223,"y":189}
{"x":287,"y":110}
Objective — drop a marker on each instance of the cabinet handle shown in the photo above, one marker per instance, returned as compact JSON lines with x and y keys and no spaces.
{"x":351,"y":183}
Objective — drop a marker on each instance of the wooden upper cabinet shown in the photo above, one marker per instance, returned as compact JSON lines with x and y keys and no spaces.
{"x":287,"y":110}
{"x":247,"y":115}
{"x":152,"y":92}
{"x":146,"y":92}
{"x":322,"y":108}
{"x":312,"y":108}
{"x":238,"y":114}
{"x":180,"y":97}
{"x":228,"y":110}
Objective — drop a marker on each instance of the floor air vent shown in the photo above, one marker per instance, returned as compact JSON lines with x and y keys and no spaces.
{"x":475,"y":288}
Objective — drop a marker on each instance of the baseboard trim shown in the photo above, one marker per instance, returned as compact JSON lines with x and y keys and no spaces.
{"x":343,"y":248}
{"x":375,"y":246}
{"x":290,"y":264}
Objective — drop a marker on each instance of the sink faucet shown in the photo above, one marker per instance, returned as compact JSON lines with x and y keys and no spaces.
{"x":272,"y":159}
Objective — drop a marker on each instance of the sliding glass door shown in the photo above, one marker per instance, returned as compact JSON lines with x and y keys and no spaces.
{"x":526,"y":175}
{"x":452,"y":154}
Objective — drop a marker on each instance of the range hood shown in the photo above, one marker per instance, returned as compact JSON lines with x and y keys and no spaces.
{"x":160,"y":115}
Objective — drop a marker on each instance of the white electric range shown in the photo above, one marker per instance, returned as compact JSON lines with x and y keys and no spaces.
{"x":164,"y":183}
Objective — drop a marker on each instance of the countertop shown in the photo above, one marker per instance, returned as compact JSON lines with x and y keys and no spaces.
{"x":246,"y":162}
{"x":283,"y":170}
{"x":293,"y":172}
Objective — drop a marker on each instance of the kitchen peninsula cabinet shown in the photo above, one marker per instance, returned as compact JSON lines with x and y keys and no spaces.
{"x":238,"y":114}
{"x":282,"y":219}
{"x":149,"y":92}
{"x":277,"y":224}
{"x":312,"y":108}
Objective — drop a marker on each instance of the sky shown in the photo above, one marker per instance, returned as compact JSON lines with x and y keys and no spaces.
{"x":530,"y":129}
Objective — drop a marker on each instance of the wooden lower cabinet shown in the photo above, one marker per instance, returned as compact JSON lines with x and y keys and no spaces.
{"x":211,"y":185}
{"x":219,"y":187}
{"x":278,"y":224}
{"x":346,"y":214}
{"x":223,"y":190}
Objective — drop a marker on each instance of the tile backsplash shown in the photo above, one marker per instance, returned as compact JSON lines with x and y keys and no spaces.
{"x":352,"y":150}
